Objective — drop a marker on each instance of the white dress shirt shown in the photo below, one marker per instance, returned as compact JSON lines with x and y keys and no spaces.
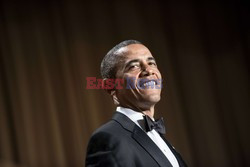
{"x":135,"y":117}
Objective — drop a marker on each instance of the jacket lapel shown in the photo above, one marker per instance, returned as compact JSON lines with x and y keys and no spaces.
{"x":142,"y":138}
{"x":177,"y":155}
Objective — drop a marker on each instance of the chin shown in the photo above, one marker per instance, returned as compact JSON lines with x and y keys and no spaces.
{"x":152,"y":98}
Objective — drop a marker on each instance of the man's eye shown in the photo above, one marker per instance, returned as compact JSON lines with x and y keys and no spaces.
{"x":133,"y":67}
{"x":152,"y":63}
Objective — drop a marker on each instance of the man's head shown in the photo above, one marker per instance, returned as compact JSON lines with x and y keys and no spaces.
{"x":109,"y":62}
{"x":131,"y":60}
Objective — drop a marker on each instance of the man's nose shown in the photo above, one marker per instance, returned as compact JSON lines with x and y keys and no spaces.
{"x":146,"y":71}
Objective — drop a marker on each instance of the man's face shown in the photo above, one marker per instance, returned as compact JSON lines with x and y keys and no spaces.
{"x":138,"y":64}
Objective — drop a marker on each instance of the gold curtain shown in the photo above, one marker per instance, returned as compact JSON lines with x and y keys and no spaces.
{"x":48,"y":48}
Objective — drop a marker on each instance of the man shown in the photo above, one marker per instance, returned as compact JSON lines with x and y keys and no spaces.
{"x":132,"y":138}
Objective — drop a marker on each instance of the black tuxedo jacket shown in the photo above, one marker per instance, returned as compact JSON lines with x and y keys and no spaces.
{"x":121,"y":143}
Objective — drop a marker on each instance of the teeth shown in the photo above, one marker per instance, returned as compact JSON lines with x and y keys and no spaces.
{"x":150,"y":83}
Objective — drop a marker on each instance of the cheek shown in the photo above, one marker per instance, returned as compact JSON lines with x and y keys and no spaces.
{"x":158,"y":74}
{"x":130,"y":77}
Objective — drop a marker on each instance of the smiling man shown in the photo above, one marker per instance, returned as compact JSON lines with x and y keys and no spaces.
{"x":132,"y":138}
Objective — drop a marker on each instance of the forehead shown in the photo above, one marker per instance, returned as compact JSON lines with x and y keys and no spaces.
{"x":134,"y":51}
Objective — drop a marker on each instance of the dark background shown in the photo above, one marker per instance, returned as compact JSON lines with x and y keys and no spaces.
{"x":48,"y":48}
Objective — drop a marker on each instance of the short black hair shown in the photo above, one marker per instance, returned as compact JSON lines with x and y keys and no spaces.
{"x":108,"y":64}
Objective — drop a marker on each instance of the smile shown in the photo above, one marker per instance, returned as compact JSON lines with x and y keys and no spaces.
{"x":149,"y":83}
{"x":143,"y":83}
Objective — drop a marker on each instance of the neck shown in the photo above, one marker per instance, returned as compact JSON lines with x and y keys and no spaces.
{"x":149,"y":111}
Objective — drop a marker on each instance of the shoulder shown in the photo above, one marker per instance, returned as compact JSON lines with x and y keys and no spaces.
{"x":108,"y":127}
{"x":106,"y":139}
{"x":101,"y":145}
{"x":111,"y":134}
{"x":111,"y":129}
{"x":113,"y":145}
{"x":118,"y":125}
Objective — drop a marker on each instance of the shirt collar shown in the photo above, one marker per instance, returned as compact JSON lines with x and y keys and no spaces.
{"x":135,"y":116}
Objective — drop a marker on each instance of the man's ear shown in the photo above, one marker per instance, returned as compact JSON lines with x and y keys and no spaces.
{"x":114,"y":97}
{"x":109,"y":86}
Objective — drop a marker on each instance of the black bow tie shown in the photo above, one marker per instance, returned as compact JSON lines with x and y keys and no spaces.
{"x":157,"y":125}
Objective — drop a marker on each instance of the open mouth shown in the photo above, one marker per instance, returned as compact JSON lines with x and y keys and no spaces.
{"x":147,"y":83}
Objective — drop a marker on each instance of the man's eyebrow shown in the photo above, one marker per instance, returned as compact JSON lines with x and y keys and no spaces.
{"x":150,"y":58}
{"x":138,"y":60}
